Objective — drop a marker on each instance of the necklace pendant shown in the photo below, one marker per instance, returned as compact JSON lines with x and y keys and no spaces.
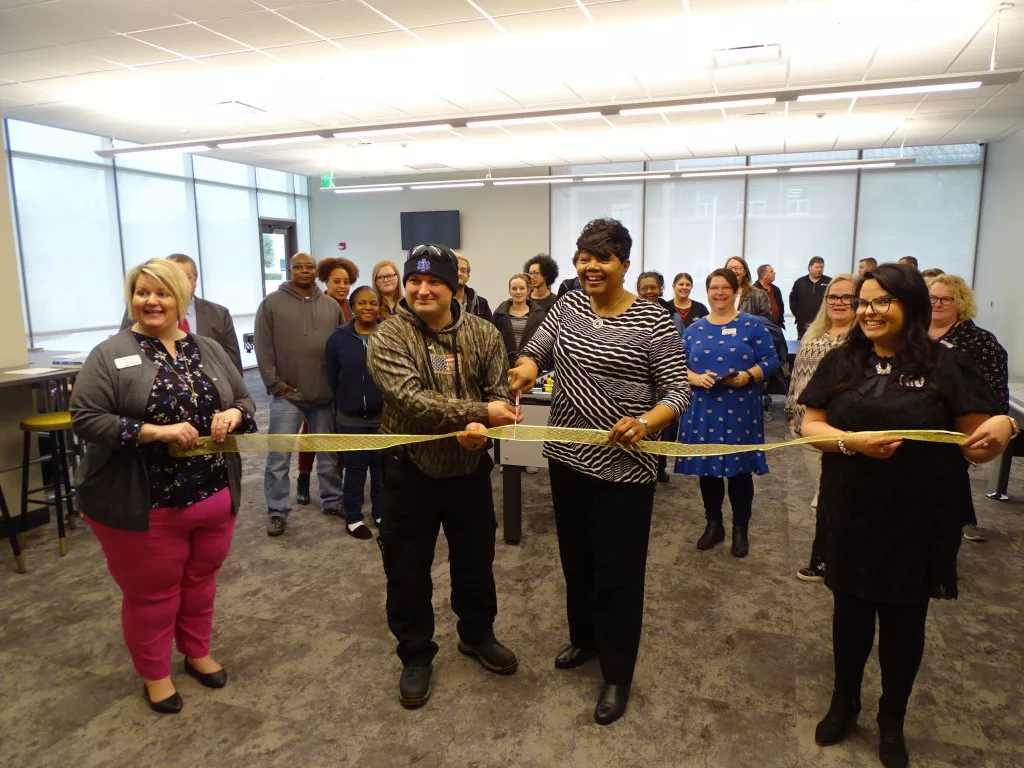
{"x":597,"y":322}
{"x":883,"y":370}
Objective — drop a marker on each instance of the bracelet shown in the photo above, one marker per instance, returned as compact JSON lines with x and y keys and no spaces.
{"x":842,"y":448}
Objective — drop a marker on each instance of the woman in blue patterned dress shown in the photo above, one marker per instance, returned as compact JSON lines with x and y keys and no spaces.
{"x":729,"y":353}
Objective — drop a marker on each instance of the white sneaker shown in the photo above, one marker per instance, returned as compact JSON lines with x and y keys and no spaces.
{"x":973,"y":533}
{"x":531,"y":470}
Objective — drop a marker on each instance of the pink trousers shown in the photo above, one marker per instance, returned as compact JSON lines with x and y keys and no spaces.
{"x":168,"y":579}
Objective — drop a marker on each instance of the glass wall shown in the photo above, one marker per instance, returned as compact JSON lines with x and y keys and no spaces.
{"x":88,"y":220}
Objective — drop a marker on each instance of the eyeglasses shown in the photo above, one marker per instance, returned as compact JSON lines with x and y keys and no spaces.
{"x":393,"y":276}
{"x":846,"y":298}
{"x":943,"y":300}
{"x":879,"y":305}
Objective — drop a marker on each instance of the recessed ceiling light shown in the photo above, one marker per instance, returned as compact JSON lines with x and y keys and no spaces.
{"x":848,"y":167}
{"x":356,"y":190}
{"x":702,"y":106}
{"x":910,"y":89}
{"x":630,"y":178}
{"x":532,"y":119}
{"x":448,"y":186}
{"x":265,"y":142}
{"x":547,"y":180}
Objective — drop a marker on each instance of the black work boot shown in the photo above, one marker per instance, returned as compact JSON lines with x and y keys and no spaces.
{"x":713,"y":534}
{"x":740,"y":545}
{"x":892,"y":749}
{"x":414,"y":686}
{"x":302,"y":489}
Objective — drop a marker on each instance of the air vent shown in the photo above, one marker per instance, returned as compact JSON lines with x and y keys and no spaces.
{"x":430,"y":167}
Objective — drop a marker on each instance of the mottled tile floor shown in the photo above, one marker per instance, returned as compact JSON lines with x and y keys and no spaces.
{"x":734,"y":670}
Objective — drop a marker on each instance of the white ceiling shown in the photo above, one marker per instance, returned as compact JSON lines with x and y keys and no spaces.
{"x":183,"y":70}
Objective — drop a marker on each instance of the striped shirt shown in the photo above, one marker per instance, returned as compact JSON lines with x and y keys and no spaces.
{"x":624,"y":368}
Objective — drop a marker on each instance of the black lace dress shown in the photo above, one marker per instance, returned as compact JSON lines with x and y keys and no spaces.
{"x":893,"y":525}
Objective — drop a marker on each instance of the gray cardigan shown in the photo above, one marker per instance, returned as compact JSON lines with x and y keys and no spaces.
{"x":111,"y":481}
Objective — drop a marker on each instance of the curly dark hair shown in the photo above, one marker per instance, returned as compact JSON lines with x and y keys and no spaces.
{"x":605,"y":237}
{"x":548,"y":267}
{"x":326,"y":266}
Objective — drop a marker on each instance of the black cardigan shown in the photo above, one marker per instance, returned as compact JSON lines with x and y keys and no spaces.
{"x":504,"y":325}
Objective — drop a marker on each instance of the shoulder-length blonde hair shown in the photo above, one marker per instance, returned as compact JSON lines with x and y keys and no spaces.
{"x":963,"y":295}
{"x":822,"y":322}
{"x":399,"y":293}
{"x":169,"y":275}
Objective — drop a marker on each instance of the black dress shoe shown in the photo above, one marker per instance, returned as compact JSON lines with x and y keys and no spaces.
{"x":839,"y":721}
{"x":216,"y":679}
{"x":612,"y":704}
{"x":663,"y":476}
{"x":170,"y":706}
{"x":740,"y":545}
{"x":492,"y":655}
{"x":302,"y":489}
{"x":414,"y":686}
{"x":360,"y":532}
{"x":713,"y":534}
{"x":892,"y":749}
{"x":571,"y":656}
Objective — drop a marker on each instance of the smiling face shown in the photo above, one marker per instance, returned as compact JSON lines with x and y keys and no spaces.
{"x":518,"y":290}
{"x":536,"y":277}
{"x":303,"y":270}
{"x":736,"y":267}
{"x":682,"y":289}
{"x":837,"y":302}
{"x":365,"y":308}
{"x":944,"y":309}
{"x":463,"y":272}
{"x":649,"y":289}
{"x":386,"y":281}
{"x":883,"y":328}
{"x":154,"y":306}
{"x":721,"y":296}
{"x":601,"y":274}
{"x":338,"y":284}
{"x":428,"y":296}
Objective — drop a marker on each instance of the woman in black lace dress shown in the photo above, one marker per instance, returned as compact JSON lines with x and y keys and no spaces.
{"x":891,"y":507}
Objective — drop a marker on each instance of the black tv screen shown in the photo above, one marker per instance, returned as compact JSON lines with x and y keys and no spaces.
{"x":441,"y":227}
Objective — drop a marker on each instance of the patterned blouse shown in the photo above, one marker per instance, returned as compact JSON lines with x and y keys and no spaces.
{"x":182,"y":391}
{"x":807,"y":358}
{"x":987,"y":353}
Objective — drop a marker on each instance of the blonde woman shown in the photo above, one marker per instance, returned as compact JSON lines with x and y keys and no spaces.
{"x":828,"y":331}
{"x":953,"y":312}
{"x":388,"y":284}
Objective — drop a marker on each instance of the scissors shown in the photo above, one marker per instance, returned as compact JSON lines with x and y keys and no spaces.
{"x":519,"y":394}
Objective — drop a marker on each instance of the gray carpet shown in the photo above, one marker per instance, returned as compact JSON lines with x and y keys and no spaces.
{"x":734,"y":670}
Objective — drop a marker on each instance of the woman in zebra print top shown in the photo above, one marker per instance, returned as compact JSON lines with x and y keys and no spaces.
{"x":619,"y":368}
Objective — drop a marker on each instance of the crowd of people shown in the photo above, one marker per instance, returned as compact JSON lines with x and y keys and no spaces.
{"x":418,"y":351}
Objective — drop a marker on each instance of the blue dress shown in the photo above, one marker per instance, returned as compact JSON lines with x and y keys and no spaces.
{"x":724,"y":414}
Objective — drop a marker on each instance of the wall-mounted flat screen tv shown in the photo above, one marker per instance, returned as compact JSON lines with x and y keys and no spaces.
{"x":440,"y":227}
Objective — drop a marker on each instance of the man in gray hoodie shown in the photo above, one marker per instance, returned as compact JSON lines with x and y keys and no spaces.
{"x":292,"y":328}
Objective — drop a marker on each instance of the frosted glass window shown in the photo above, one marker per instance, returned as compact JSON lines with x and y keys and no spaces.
{"x":803,"y":157}
{"x":158,"y":217}
{"x":302,"y":233}
{"x":230,"y":243}
{"x":170,"y":163}
{"x":279,"y":181}
{"x":692,"y":226}
{"x":576,"y":170}
{"x":211,"y":169}
{"x":797,"y":216}
{"x":947,"y":154}
{"x":301,"y":186}
{"x":696,"y":163}
{"x":69,"y":236}
{"x":573,"y":205}
{"x":931,"y":214}
{"x":274,"y":206}
{"x":55,"y":142}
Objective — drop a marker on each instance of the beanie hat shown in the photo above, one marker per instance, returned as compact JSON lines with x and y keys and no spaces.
{"x":435,"y":260}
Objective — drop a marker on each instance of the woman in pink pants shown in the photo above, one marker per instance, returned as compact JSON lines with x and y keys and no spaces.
{"x":164,"y":523}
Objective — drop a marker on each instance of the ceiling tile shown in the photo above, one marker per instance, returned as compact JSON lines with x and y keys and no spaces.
{"x":70,"y":59}
{"x":28,"y":94}
{"x":116,"y":15}
{"x":700,"y":7}
{"x":121,"y":50}
{"x":190,"y":40}
{"x":308,"y":53}
{"x":418,"y":103}
{"x":637,"y":12}
{"x":16,"y":67}
{"x":478,"y":31}
{"x":667,"y":82}
{"x":204,"y":10}
{"x":241,"y":61}
{"x":35,"y":26}
{"x":599,"y":86}
{"x":477,"y":99}
{"x":930,"y":105}
{"x":384,"y":42}
{"x":538,"y":91}
{"x":503,"y":7}
{"x":927,"y":62}
{"x":750,"y":78}
{"x":546,"y":22}
{"x":367,"y":111}
{"x":421,"y":14}
{"x":346,"y":18}
{"x":978,"y":59}
{"x":261,"y":30}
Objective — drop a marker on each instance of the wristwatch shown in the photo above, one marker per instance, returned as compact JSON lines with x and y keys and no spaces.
{"x":647,"y":427}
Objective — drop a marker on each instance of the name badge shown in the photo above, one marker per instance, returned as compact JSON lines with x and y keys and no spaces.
{"x":728,"y":331}
{"x":127,"y":362}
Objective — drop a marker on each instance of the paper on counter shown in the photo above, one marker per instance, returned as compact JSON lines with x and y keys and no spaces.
{"x":32,"y":371}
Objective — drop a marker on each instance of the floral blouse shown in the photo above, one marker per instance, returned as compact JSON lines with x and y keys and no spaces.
{"x":987,"y":353}
{"x":181,"y":391}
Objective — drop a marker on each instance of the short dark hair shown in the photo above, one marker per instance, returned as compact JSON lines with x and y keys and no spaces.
{"x":730,"y":278}
{"x":326,"y":266}
{"x":815,"y":260}
{"x":872,"y":263}
{"x":548,"y":267}
{"x":181,"y":258}
{"x":933,"y":272}
{"x":356,"y":291}
{"x":605,"y":237}
{"x":762,"y":269}
{"x":911,"y":260}
{"x":681,"y":275}
{"x":652,"y":273}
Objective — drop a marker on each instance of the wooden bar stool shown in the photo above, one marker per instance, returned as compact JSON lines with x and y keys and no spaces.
{"x":57,"y":424}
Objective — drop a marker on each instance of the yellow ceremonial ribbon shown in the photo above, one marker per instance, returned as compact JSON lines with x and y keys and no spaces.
{"x":524,"y":433}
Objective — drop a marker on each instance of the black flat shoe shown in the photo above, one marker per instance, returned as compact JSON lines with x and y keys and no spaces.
{"x":740,"y":545}
{"x":170,"y":706}
{"x":838,"y":722}
{"x":216,"y":679}
{"x":359,"y":532}
{"x":571,"y":656}
{"x":713,"y":534}
{"x":612,"y":704}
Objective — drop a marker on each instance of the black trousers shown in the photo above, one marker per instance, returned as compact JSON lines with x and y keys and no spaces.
{"x":900,"y":647}
{"x":741,"y":497}
{"x":414,"y":507}
{"x":820,"y":538}
{"x":603,"y":530}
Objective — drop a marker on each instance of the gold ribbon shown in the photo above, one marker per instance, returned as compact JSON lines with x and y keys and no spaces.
{"x":523,"y":434}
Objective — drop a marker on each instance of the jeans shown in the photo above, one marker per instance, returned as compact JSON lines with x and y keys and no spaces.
{"x":285,"y":419}
{"x":356,"y":465}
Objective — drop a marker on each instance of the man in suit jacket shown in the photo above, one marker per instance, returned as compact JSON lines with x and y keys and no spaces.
{"x":766,"y":282}
{"x":204,"y":317}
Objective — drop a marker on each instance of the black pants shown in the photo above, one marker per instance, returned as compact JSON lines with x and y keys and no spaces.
{"x":818,"y":545}
{"x":900,"y":647}
{"x":741,"y":497}
{"x":414,"y":507}
{"x":603,"y":530}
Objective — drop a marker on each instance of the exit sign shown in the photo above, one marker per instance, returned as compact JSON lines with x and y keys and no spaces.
{"x":327,"y":180}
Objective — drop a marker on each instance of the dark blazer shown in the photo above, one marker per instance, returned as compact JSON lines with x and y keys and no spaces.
{"x":504,"y":325}
{"x":214,"y":322}
{"x":778,"y":298}
{"x":111,"y":481}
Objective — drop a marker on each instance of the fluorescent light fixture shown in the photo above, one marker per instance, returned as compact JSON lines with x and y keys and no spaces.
{"x":910,"y":89}
{"x":357,"y":190}
{"x":740,"y":172}
{"x":628,"y":178}
{"x":532,"y":119}
{"x":393,"y":131}
{"x":265,"y":142}
{"x":167,"y":150}
{"x":545,"y":180}
{"x":856,"y":167}
{"x":448,"y":186}
{"x":702,"y":106}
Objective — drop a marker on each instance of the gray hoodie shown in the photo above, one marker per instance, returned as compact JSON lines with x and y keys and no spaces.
{"x":291,"y":336}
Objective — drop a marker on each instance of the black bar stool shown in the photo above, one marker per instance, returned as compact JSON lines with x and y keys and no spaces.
{"x":5,"y":513}
{"x":57,"y":425}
